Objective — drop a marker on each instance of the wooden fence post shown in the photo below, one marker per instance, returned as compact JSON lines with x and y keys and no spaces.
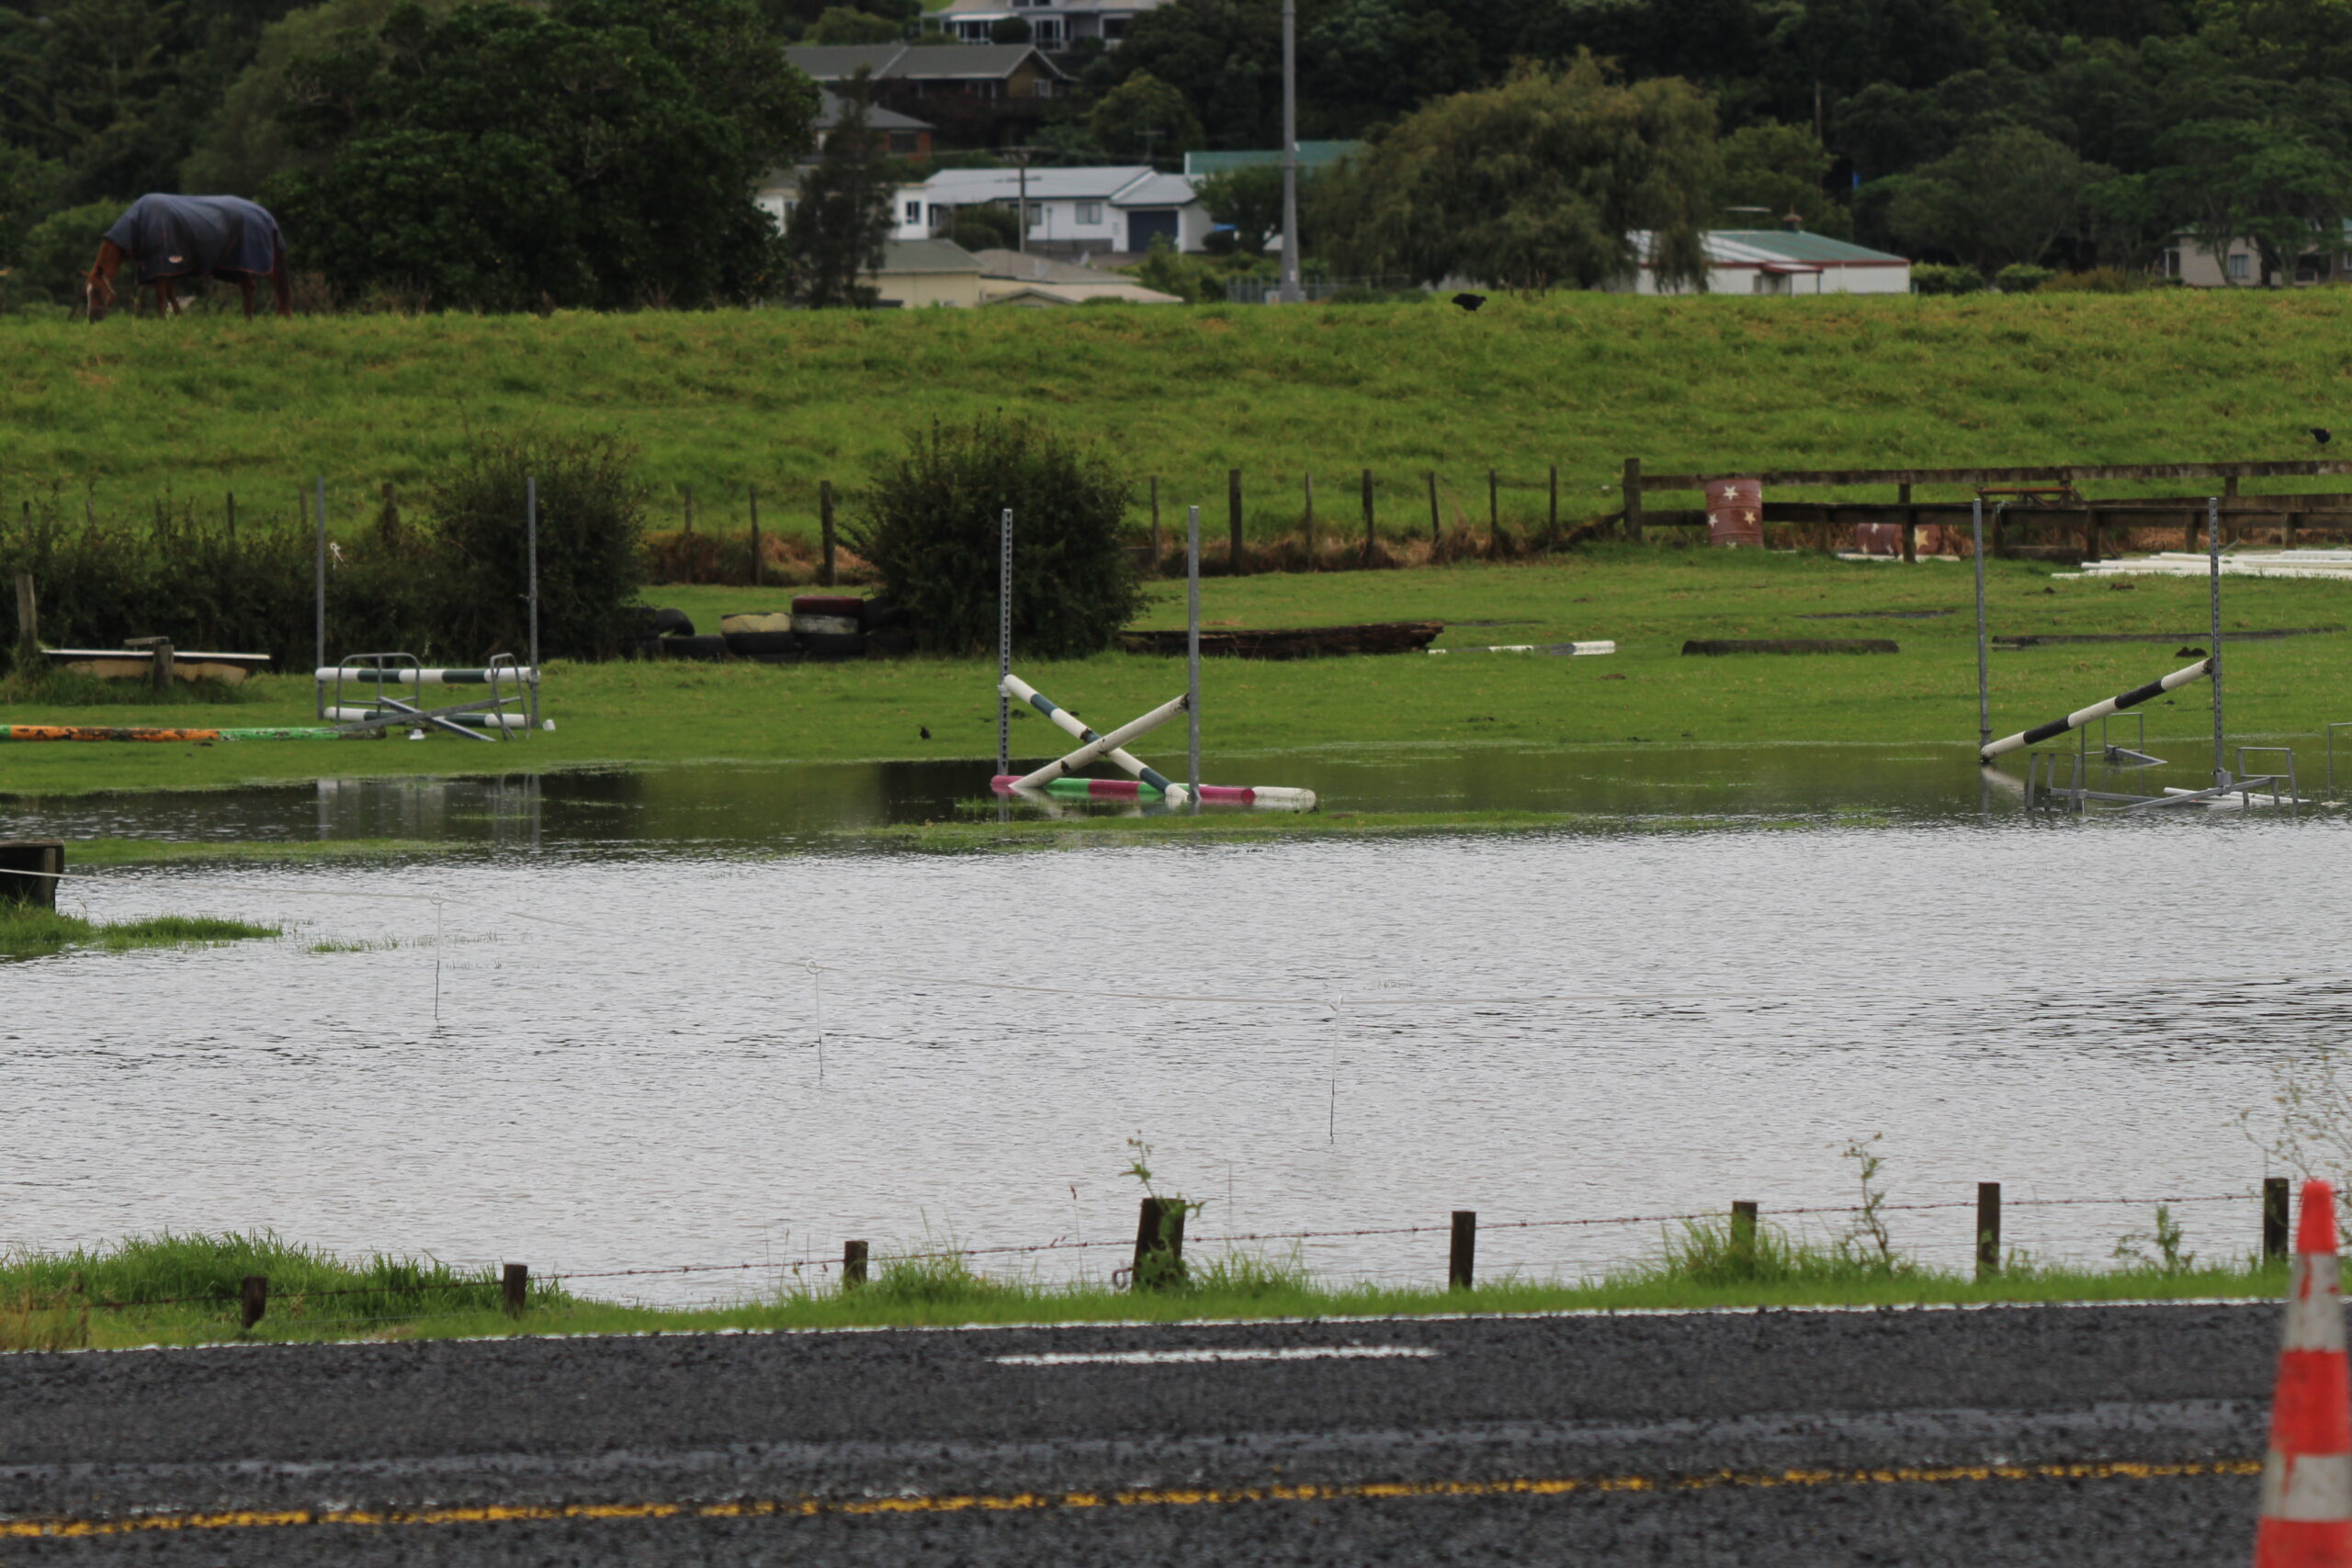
{"x":514,"y":1288}
{"x":853,"y":1264}
{"x":1367,"y":517}
{"x":825,"y":529}
{"x":1436,"y":526}
{"x":1159,"y":1245}
{"x":253,"y":1297}
{"x":1462,"y":1259}
{"x":1235,"y":565}
{"x":759,"y":566}
{"x":1633,"y":489}
{"x":2274,"y":1219}
{"x":28,"y":622}
{"x":1310,"y":520}
{"x":1988,"y":1229}
{"x":1743,"y":1233}
{"x":1910,"y":523}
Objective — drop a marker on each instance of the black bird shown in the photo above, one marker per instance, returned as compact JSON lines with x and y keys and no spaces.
{"x":2322,"y":436}
{"x":923,"y":730}
{"x":1469,"y":301}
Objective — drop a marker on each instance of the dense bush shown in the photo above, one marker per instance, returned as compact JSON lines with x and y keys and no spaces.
{"x":2019,"y":277}
{"x":449,"y":588}
{"x":2103,"y":280}
{"x":929,"y":527}
{"x":1927,"y":277}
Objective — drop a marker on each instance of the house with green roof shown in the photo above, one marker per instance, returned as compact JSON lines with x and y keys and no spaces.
{"x":1776,"y":261}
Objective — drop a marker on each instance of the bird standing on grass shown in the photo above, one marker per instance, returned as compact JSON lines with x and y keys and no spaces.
{"x":2322,"y":436}
{"x":923,"y":730}
{"x":1469,"y":301}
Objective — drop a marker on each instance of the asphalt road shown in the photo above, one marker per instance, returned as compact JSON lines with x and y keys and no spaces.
{"x":2011,"y":1435}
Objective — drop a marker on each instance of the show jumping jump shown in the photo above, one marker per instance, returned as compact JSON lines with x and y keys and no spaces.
{"x":172,"y":237}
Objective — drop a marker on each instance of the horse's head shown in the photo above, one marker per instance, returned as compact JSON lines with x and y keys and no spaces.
{"x":97,"y":288}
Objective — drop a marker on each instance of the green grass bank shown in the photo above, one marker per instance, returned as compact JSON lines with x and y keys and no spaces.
{"x":1648,"y":599}
{"x":132,"y":410}
{"x":185,"y":1289}
{"x":27,"y":932}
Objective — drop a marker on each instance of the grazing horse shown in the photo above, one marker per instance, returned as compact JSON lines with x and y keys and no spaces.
{"x":172,"y":237}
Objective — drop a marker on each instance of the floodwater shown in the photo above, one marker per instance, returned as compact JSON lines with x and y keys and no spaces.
{"x":654,"y":1019}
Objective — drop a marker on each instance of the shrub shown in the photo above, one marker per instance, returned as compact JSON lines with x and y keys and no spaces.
{"x":2102,"y":280}
{"x":591,"y":544}
{"x":929,"y":526}
{"x":1930,"y":279}
{"x":2021,"y":278}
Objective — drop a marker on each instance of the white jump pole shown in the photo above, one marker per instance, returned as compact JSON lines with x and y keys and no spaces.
{"x":2214,"y":653}
{"x":1983,"y":669}
{"x":401,"y":675}
{"x":1101,"y":745}
{"x":1004,"y":650}
{"x":531,"y":550}
{"x":2097,"y":711}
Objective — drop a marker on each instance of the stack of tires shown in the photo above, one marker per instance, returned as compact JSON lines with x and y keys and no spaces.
{"x":829,"y":625}
{"x":764,"y":637}
{"x":668,"y":634}
{"x":820,"y":626}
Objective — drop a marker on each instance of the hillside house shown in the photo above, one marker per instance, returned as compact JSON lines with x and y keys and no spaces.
{"x":1053,"y":24}
{"x":1779,"y":261}
{"x":1118,"y":210}
{"x":971,"y":95}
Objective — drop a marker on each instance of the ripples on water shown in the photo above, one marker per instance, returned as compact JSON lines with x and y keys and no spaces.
{"x":2077,"y":1012}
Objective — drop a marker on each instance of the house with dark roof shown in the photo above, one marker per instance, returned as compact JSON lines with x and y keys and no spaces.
{"x":1053,"y":24}
{"x":972,"y":93}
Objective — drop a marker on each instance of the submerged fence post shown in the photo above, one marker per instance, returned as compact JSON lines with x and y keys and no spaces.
{"x":253,"y":1297}
{"x":1462,"y":1258}
{"x":1988,"y":1229}
{"x":825,"y":529}
{"x":853,"y":1265}
{"x":2274,"y":1219}
{"x":514,"y":1288}
{"x":1743,"y":1233}
{"x":1234,"y":564}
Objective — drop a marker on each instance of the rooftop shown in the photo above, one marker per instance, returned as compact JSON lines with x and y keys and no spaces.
{"x":927,"y":255}
{"x":831,"y":106}
{"x":1778,"y":247}
{"x":1311,"y":155}
{"x":1124,"y":184}
{"x":907,"y":62}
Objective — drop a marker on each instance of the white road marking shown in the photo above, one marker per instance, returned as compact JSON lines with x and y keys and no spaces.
{"x":1158,"y":1357}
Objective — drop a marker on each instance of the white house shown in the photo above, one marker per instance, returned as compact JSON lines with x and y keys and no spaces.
{"x":1117,"y":209}
{"x":1053,"y":24}
{"x":1778,"y":260}
{"x":2197,"y":267}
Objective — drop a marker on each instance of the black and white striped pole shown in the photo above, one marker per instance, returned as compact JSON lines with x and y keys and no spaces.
{"x":2097,"y":711}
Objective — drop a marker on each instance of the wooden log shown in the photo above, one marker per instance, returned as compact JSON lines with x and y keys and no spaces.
{"x":853,"y":1265}
{"x":1791,"y":645}
{"x":514,"y":1288}
{"x":1988,"y":1229}
{"x":1461,"y":1257}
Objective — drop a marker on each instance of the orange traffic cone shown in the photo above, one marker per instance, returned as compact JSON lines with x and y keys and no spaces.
{"x":2307,"y":1477}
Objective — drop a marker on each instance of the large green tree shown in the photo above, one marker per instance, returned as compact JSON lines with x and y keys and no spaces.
{"x":589,"y":152}
{"x":839,"y":225}
{"x":1997,"y":199}
{"x":1539,"y":183}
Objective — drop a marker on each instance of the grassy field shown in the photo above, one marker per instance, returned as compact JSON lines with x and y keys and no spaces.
{"x":1648,"y":599}
{"x":130,"y":411}
{"x":183,"y":1289}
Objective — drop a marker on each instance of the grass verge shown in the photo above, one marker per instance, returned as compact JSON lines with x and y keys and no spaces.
{"x":27,"y":932}
{"x":140,"y":1293}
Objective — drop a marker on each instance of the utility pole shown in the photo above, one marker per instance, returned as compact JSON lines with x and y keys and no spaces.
{"x":1288,"y":293}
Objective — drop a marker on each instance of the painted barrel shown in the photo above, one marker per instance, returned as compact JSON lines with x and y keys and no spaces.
{"x":1878,"y":538}
{"x":1735,"y":512}
{"x":848,"y":605}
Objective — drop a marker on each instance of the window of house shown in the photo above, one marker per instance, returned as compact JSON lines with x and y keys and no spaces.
{"x":1114,"y":28}
{"x":1089,"y":212}
{"x":2241,"y":267}
{"x":914,"y":212}
{"x":1049,"y":30}
{"x":903,"y":143}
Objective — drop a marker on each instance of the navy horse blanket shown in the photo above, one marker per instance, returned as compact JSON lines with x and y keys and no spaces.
{"x":182,"y":236}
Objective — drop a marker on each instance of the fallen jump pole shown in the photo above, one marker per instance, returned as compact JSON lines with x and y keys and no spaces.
{"x":25,"y":732}
{"x":1061,"y":767}
{"x":2097,"y":711}
{"x":1012,"y":685}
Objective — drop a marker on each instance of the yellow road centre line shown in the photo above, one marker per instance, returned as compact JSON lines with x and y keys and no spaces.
{"x":1176,"y":1497}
